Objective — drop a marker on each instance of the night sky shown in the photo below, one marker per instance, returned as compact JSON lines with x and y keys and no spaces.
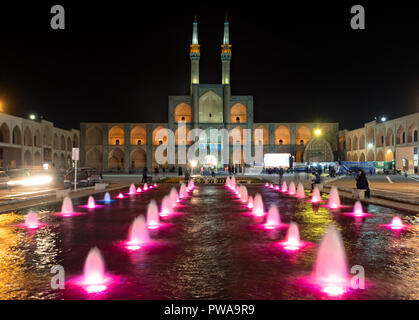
{"x":116,"y":62}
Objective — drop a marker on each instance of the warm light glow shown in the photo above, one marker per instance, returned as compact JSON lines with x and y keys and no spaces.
{"x":32,"y":116}
{"x":193,"y":163}
{"x":45,"y":166}
{"x":31,"y":181}
{"x":318,"y":132}
{"x":370,"y":145}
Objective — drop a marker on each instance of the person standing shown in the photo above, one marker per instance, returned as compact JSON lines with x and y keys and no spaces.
{"x":362,"y":182}
{"x":281,"y":174}
{"x":316,"y":179}
{"x":144,"y":175}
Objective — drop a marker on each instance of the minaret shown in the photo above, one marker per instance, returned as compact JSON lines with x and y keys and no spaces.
{"x":195,"y":54}
{"x":225,"y":79}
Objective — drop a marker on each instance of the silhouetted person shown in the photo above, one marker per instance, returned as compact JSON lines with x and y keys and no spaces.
{"x":281,"y":174}
{"x":180,"y":171}
{"x":362,"y":183}
{"x":316,"y":179}
{"x":144,"y":175}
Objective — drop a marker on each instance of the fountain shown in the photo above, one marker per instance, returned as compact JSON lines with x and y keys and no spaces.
{"x":396,"y":224}
{"x":132,"y":190}
{"x":284,"y":187}
{"x":191,"y":185}
{"x":357,"y":211}
{"x":139,"y":190}
{"x":138,"y":234}
{"x":155,"y":185}
{"x":107,"y":197}
{"x":271,"y":186}
{"x":334,"y":200}
{"x":258,"y":209}
{"x":266,"y":185}
{"x":250,"y":202}
{"x":291,"y":189}
{"x":273,"y":220}
{"x":316,"y":195}
{"x":300,"y":191}
{"x":173,"y":197}
{"x":153,"y":219}
{"x":183,"y":193}
{"x":166,"y":206}
{"x":331,"y":271}
{"x":91,"y":204}
{"x":244,"y":196}
{"x":292,"y":240}
{"x":67,"y":206}
{"x":145,"y":187}
{"x":31,"y":221}
{"x":94,"y":276}
{"x":120,"y":196}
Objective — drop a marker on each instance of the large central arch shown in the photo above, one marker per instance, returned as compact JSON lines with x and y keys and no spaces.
{"x":318,"y":150}
{"x":210,"y":108}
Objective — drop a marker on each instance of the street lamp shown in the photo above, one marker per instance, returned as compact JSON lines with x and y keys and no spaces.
{"x":370,"y":145}
{"x":32,"y":116}
{"x":318,"y":132}
{"x":383,"y":119}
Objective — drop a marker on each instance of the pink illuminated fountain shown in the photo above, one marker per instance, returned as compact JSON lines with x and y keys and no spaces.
{"x":94,"y":278}
{"x":153,"y":219}
{"x":191,"y":185}
{"x":166,"y":207}
{"x":174,"y":199}
{"x":266,"y":185}
{"x":145,"y":187}
{"x":91,"y":204}
{"x":316,"y":198}
{"x":273,"y":219}
{"x":284,"y":187}
{"x":300,"y":191}
{"x":334,"y":199}
{"x":31,"y":221}
{"x":292,"y":241}
{"x":250,"y":202}
{"x":271,"y":186}
{"x":258,"y":209}
{"x":139,"y":190}
{"x":396,"y":224}
{"x":132,"y":190}
{"x":183,"y":193}
{"x":244,"y":196}
{"x":358,"y":211}
{"x":120,"y":196}
{"x":331,"y":271}
{"x":277,"y":188}
{"x":155,"y":185}
{"x":138,"y":234}
{"x":291,"y":190}
{"x":67,"y":209}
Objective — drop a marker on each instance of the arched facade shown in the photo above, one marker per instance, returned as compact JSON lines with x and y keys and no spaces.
{"x":116,"y":159}
{"x":27,"y":137}
{"x":138,"y":136}
{"x":160,"y":135}
{"x":138,"y":159}
{"x":183,"y":113}
{"x":261,"y":137}
{"x":116,"y":136}
{"x":283,"y":136}
{"x":94,"y":136}
{"x":16,"y":136}
{"x":210,"y":108}
{"x":318,"y":150}
{"x":94,"y":158}
{"x":4,"y":133}
{"x":303,"y":135}
{"x":238,"y":113}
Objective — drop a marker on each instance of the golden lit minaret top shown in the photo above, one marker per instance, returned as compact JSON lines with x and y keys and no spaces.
{"x":195,"y":54}
{"x":226,"y":54}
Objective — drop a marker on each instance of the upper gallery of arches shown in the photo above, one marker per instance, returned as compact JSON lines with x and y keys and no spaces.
{"x":116,"y":135}
{"x":238,"y":113}
{"x":183,"y":113}
{"x":210,"y":108}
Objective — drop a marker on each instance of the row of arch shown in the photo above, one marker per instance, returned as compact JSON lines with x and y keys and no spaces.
{"x":138,"y":136}
{"x":59,"y":161}
{"x":29,"y":138}
{"x":387,"y":138}
{"x":388,"y":155}
{"x":183,"y":113}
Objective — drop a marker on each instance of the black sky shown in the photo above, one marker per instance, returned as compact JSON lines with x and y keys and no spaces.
{"x":117,"y":62}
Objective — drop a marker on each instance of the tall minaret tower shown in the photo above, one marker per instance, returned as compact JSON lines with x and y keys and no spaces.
{"x":225,"y":79}
{"x":195,"y":54}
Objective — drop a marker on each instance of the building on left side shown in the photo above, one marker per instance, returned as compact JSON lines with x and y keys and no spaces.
{"x":26,"y":143}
